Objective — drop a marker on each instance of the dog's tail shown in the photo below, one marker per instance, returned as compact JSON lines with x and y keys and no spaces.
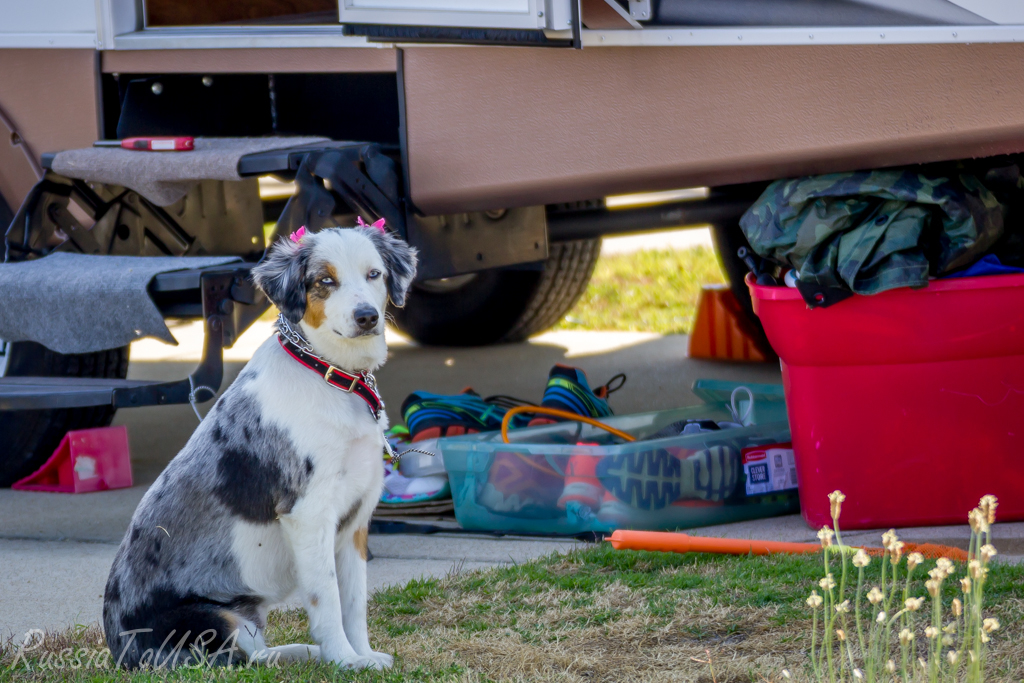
{"x":164,"y":637}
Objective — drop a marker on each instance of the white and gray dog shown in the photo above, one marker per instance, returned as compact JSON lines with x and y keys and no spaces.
{"x":272,"y":495}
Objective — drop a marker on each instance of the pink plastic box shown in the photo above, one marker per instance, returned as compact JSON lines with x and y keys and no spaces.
{"x":86,"y":460}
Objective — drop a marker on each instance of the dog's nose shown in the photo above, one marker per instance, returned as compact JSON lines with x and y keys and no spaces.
{"x":366,"y":317}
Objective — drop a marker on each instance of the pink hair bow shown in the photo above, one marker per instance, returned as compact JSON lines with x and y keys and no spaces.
{"x":379,"y":223}
{"x":298,"y":234}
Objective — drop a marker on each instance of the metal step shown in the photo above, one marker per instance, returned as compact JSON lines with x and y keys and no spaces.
{"x":41,"y":393}
{"x":229,"y":303}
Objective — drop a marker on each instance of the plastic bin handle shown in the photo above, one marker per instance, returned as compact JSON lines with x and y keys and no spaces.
{"x":565,"y":415}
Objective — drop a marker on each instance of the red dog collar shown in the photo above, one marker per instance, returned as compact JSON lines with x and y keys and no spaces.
{"x":362,"y":385}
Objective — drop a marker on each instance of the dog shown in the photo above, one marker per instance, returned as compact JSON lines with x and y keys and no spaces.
{"x":272,"y":495}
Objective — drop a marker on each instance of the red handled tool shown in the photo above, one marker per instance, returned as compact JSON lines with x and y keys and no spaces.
{"x":183,"y":143}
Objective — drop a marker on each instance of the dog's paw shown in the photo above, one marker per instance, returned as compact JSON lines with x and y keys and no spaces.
{"x":383,"y":660}
{"x":374,"y":660}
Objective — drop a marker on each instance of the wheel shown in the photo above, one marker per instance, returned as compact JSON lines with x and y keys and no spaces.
{"x":500,"y":305}
{"x":31,"y":436}
{"x":728,"y":238}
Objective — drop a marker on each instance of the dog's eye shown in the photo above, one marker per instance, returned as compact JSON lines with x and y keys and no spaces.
{"x":327,"y":281}
{"x":373,"y":274}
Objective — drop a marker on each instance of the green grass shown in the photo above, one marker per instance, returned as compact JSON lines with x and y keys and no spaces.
{"x":592,"y":615}
{"x":648,"y":291}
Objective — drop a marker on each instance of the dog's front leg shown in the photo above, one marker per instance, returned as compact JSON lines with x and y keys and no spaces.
{"x":316,"y":575}
{"x":351,"y":563}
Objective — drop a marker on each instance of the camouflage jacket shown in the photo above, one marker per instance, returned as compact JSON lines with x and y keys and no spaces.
{"x":869,"y":231}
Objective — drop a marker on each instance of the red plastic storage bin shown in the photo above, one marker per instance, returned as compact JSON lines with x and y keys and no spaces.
{"x":910,"y":401}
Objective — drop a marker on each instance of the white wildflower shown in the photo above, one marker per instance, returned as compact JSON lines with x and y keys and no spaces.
{"x":835,"y":500}
{"x":978,"y":521}
{"x":896,"y":552}
{"x":988,"y":505}
{"x":988,"y":551}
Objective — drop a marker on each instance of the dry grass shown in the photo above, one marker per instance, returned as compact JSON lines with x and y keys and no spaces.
{"x":649,"y":623}
{"x":592,"y":615}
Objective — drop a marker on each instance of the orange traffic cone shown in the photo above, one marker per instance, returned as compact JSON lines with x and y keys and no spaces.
{"x":721,"y":330}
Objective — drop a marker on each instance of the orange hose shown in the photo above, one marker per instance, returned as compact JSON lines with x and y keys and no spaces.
{"x":682,"y":543}
{"x":670,"y":542}
{"x":554,"y":412}
{"x":930,"y":550}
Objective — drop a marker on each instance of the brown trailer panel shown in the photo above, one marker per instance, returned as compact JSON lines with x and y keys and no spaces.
{"x":51,"y":98}
{"x":496,"y":127}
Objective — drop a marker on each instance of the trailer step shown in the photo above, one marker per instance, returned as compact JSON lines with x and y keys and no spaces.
{"x":228,"y":303}
{"x":46,"y":393}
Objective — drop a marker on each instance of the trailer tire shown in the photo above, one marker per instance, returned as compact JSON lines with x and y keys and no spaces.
{"x":31,"y":436}
{"x":499,"y":305}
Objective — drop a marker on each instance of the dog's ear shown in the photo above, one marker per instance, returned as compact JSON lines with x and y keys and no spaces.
{"x":282,"y":277}
{"x":399,"y":262}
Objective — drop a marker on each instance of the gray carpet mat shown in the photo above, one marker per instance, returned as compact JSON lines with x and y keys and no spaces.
{"x":79,"y":303}
{"x":165,"y":177}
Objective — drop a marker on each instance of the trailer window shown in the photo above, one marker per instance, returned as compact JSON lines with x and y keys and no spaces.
{"x":160,"y":13}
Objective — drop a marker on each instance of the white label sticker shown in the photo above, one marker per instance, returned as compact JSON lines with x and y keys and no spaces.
{"x":769,"y":469}
{"x":85,"y":467}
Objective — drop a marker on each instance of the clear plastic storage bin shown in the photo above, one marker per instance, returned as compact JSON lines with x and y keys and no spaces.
{"x":570,"y":478}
